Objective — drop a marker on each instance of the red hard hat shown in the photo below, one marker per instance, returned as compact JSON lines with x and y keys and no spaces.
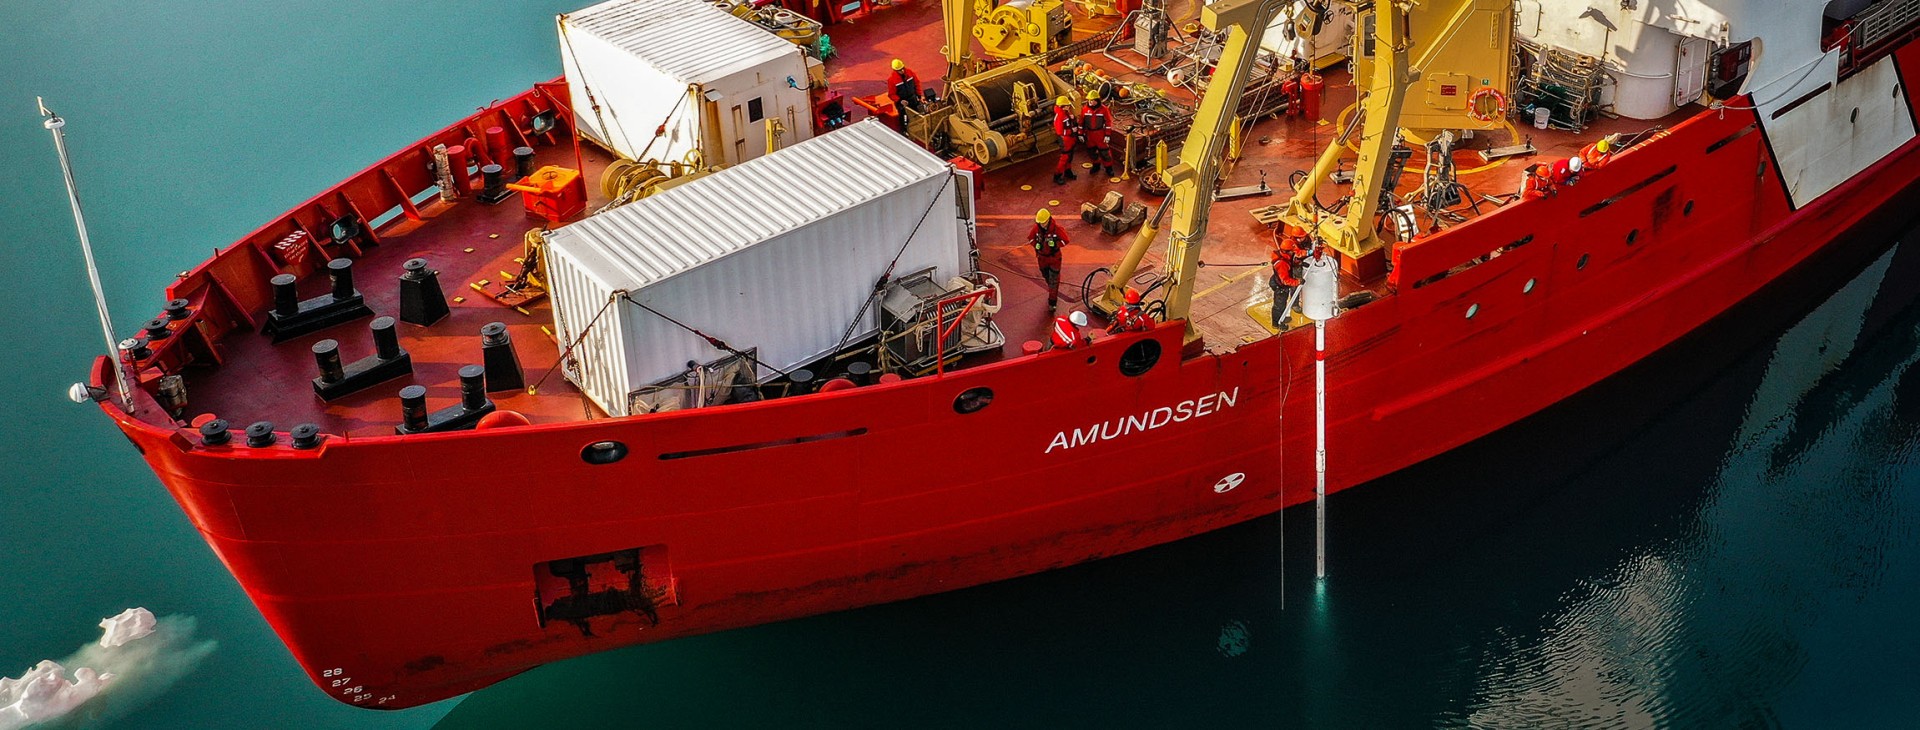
{"x":1133,"y":295}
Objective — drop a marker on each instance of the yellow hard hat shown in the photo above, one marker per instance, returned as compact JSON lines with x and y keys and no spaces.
{"x":1062,"y":101}
{"x":1093,"y":95}
{"x":1603,"y":145}
{"x":1043,"y":215}
{"x":899,"y":65}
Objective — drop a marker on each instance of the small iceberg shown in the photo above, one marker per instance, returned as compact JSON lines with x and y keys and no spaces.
{"x":137,"y":657}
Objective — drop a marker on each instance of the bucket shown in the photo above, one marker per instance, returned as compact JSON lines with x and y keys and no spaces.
{"x":1540,"y":116}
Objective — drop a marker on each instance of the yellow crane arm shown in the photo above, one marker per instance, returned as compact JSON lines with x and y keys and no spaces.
{"x":1191,"y":181}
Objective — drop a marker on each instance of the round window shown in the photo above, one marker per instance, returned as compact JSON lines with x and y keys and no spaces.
{"x":1140,"y":357}
{"x":972,"y":399}
{"x":603,"y":452}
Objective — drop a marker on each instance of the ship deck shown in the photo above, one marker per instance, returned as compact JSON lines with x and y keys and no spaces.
{"x":469,"y":242}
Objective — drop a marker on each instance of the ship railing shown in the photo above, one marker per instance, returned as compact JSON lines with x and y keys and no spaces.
{"x":1626,"y":204}
{"x":229,"y":291}
{"x":1875,"y":32}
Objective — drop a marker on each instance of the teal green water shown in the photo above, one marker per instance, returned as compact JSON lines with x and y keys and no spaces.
{"x":1725,"y":538}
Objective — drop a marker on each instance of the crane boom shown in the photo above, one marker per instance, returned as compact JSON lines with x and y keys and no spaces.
{"x":1191,"y":180}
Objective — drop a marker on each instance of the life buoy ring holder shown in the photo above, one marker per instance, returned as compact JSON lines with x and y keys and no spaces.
{"x":1499,"y":107}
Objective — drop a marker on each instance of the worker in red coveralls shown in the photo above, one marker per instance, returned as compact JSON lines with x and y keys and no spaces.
{"x":1566,"y":173}
{"x":1131,"y":317}
{"x":1094,"y":122}
{"x":1047,"y":239}
{"x":1535,"y":182}
{"x":1069,"y":130}
{"x":1066,"y":330}
{"x":903,"y":86}
{"x":1285,"y":258}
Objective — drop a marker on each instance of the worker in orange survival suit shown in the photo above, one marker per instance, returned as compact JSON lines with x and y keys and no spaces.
{"x":1599,"y":153}
{"x":1535,"y":182}
{"x":1094,"y":121}
{"x":903,"y":86}
{"x":1131,"y":317}
{"x":1068,"y":128}
{"x":1286,"y":259}
{"x":1066,"y":330}
{"x":1047,"y":239}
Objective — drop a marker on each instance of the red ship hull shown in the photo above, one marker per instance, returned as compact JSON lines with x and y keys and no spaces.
{"x":406,"y":570}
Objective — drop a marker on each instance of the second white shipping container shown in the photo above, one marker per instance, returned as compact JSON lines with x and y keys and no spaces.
{"x":713,"y":80}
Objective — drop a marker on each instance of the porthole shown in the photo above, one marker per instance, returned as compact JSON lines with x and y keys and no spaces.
{"x":972,"y":399}
{"x":603,"y":452}
{"x":1473,"y":310}
{"x":1854,"y":118}
{"x":1528,"y":289}
{"x":1687,"y":209}
{"x":1139,"y":358}
{"x":1633,"y":236}
{"x":1582,"y":263}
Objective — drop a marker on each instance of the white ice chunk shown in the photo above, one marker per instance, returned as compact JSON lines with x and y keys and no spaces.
{"x":133,"y":623}
{"x":44,"y":692}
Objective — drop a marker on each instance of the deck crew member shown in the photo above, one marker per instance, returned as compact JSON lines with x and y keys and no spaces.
{"x":1286,"y":260}
{"x":1535,"y":182}
{"x":1065,"y":125}
{"x":1131,"y":317}
{"x":1047,"y":239}
{"x":1599,"y":153}
{"x":1566,"y":172}
{"x":1094,"y":123}
{"x":903,"y":86}
{"x":1066,"y":330}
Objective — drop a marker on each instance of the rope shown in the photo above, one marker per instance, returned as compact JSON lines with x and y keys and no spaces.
{"x":592,"y":101}
{"x":567,"y":352}
{"x":716,"y":342}
{"x":887,"y":275}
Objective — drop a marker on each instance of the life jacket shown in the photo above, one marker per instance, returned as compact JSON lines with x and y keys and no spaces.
{"x":1047,"y":240}
{"x":1593,"y":158}
{"x":1535,"y":184}
{"x":1095,"y":118}
{"x":903,"y":84}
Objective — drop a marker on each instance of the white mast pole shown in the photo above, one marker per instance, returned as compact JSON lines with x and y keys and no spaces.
{"x":54,"y":124}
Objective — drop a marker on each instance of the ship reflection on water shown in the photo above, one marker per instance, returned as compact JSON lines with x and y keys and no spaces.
{"x":1721,"y":536}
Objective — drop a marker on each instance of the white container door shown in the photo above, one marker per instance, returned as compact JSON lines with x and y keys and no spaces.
{"x":1690,"y":71}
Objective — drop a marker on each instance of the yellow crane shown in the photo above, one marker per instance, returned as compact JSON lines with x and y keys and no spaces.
{"x":1471,"y":39}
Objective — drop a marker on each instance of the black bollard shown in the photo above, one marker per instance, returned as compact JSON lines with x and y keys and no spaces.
{"x":135,"y":348}
{"x":802,"y":381}
{"x":326,"y":354}
{"x":473,"y":387}
{"x":340,"y":272}
{"x":493,"y":185}
{"x":503,"y":366}
{"x":421,"y":301}
{"x":859,"y":371}
{"x":386,"y":338}
{"x":522,"y":162}
{"x":413,"y":409}
{"x":156,"y":329}
{"x":214,"y":433}
{"x":177,"y":309}
{"x":305,"y":436}
{"x":286,"y":295}
{"x":260,"y":434}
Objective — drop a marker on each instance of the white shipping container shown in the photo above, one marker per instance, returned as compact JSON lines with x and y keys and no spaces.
{"x":712,"y":79}
{"x":777,"y":255}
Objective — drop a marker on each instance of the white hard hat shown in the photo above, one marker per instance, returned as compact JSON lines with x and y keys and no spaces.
{"x":1575,"y":164}
{"x":1078,"y":318}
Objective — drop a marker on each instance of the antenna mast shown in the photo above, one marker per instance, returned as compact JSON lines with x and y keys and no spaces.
{"x":54,"y":124}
